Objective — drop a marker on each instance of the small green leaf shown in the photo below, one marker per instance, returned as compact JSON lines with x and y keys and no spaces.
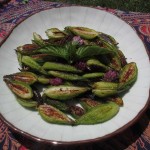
{"x":86,"y":51}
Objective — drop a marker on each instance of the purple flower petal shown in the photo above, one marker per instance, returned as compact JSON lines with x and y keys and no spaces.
{"x":111,"y":75}
{"x":81,"y":65}
{"x":56,"y":81}
{"x":77,"y":40}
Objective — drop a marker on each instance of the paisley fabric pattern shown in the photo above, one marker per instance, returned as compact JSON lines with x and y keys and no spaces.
{"x":135,"y":138}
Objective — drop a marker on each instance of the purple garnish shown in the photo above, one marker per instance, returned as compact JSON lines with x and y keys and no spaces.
{"x":81,"y":65}
{"x":56,"y":81}
{"x":111,"y":75}
{"x":77,"y":40}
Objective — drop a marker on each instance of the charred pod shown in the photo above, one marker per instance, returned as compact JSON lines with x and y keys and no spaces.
{"x":53,"y":115}
{"x":20,"y":89}
{"x":88,"y":103}
{"x":27,"y":49}
{"x":25,"y":77}
{"x":83,"y":32}
{"x":55,"y":33}
{"x":128,"y":76}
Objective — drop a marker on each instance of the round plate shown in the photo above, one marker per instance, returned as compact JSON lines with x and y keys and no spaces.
{"x":29,"y":123}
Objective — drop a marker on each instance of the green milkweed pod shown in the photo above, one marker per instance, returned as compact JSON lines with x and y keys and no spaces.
{"x":66,"y":76}
{"x":55,"y":33}
{"x":60,"y":67}
{"x":128,"y":76}
{"x":30,"y":62}
{"x":53,"y":115}
{"x":83,"y":32}
{"x":99,"y":114}
{"x":27,"y":103}
{"x":63,"y":92}
{"x":20,"y":89}
{"x":25,"y":77}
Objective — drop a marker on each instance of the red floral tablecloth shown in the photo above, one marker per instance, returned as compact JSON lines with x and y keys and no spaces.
{"x":136,"y":137}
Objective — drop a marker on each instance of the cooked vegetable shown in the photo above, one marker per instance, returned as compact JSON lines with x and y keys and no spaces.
{"x":88,"y":103}
{"x":66,"y":76}
{"x":128,"y":75}
{"x":99,"y":114}
{"x":33,"y":64}
{"x":55,"y":33}
{"x":93,"y":75}
{"x":73,"y":77}
{"x":27,"y":103}
{"x":64,"y":92}
{"x":26,"y":77}
{"x":28,"y":49}
{"x":20,"y":89}
{"x":84,"y":32}
{"x":53,"y":115}
{"x":60,"y":67}
{"x":97,"y":63}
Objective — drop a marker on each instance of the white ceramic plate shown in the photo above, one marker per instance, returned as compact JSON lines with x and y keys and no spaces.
{"x":29,"y":123}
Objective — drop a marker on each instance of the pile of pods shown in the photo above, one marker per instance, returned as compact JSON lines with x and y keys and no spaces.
{"x":73,"y":77}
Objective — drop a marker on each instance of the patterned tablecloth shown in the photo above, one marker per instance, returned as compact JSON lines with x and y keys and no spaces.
{"x":136,"y":137}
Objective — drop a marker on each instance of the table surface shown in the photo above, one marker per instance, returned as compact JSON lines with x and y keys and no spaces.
{"x":137,"y":137}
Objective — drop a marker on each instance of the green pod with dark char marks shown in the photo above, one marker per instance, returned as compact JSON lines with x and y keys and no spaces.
{"x":115,"y":62}
{"x":88,"y":103}
{"x":40,"y":58}
{"x":60,"y":67}
{"x":25,"y":77}
{"x":99,"y":114}
{"x":84,"y":32}
{"x":55,"y":33}
{"x":53,"y":115}
{"x":20,"y":89}
{"x":128,"y":76}
{"x":63,"y":92}
{"x":66,"y":76}
{"x":28,"y":49}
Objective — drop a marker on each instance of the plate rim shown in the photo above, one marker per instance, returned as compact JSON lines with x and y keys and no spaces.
{"x":94,"y":140}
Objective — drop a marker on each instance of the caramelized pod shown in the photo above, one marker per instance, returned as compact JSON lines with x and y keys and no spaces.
{"x":28,"y":49}
{"x":128,"y":76}
{"x":25,"y":77}
{"x":84,"y":32}
{"x":53,"y":115}
{"x":21,"y":89}
{"x":88,"y":103}
{"x":55,"y":33}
